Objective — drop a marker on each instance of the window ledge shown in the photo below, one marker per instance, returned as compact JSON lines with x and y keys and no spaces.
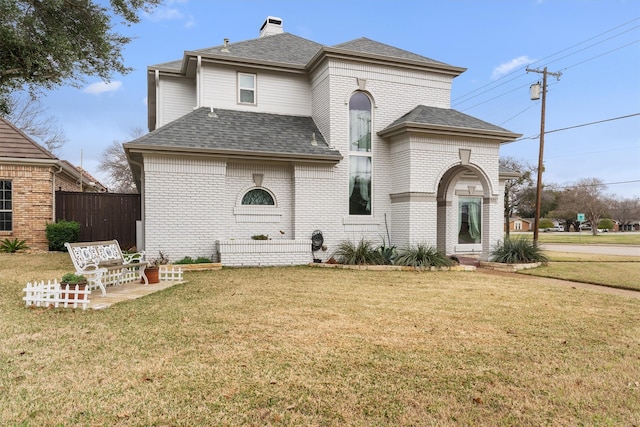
{"x":256,"y":210}
{"x":360,"y":220}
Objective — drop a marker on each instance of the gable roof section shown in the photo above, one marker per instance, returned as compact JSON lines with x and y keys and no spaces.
{"x":372,"y":51}
{"x":17,"y":145}
{"x":239,"y":134}
{"x":445,"y":121}
{"x":17,"y":148}
{"x":286,"y":49}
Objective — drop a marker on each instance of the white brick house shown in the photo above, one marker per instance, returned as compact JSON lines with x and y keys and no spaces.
{"x":282,"y":136}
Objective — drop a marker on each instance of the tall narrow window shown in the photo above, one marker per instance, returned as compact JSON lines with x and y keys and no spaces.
{"x":246,"y":88}
{"x":469,"y":220}
{"x":6,"y":208}
{"x":360,"y":168}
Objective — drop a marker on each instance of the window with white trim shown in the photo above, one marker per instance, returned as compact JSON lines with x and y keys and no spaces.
{"x":360,"y":156}
{"x":6,"y":206}
{"x":247,"y":88}
{"x":469,"y":220}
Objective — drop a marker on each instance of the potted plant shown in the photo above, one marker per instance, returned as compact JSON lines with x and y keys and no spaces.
{"x":73,"y":281}
{"x":152,"y":271}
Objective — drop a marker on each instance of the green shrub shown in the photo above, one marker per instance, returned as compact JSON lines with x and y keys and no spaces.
{"x":387,"y":253}
{"x":606,"y":224}
{"x":517,"y":250}
{"x":421,"y":255}
{"x":260,"y":237}
{"x":364,"y":252}
{"x":12,"y":246}
{"x":546,"y":223}
{"x":73,"y":278}
{"x":189,"y":260}
{"x":185,"y":260}
{"x":60,"y":232}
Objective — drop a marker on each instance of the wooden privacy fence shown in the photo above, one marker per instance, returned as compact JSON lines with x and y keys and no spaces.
{"x":102,"y":216}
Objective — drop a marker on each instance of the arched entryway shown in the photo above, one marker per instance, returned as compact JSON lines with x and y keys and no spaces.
{"x":464,"y":211}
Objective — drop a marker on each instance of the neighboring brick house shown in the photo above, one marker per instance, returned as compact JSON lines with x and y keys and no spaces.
{"x":29,"y":177}
{"x":283,"y":136}
{"x":520,"y":224}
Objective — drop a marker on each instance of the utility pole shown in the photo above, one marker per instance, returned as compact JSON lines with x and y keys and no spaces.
{"x":541,"y":152}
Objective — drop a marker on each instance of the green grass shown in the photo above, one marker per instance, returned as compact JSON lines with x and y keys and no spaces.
{"x":587,"y":238}
{"x":321,"y":347}
{"x":608,"y":270}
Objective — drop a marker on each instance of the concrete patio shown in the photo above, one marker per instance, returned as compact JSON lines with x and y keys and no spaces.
{"x":125,"y":292}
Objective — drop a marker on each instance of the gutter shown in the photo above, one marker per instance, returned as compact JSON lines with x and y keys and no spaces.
{"x":233,"y":154}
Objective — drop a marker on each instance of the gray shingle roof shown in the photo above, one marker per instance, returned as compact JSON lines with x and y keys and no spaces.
{"x":283,"y":48}
{"x":424,"y":115}
{"x":230,"y":131}
{"x":286,"y":48}
{"x":371,"y":47}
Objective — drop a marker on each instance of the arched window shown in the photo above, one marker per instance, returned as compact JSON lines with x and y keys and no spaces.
{"x":258,"y":196}
{"x":360,"y":154}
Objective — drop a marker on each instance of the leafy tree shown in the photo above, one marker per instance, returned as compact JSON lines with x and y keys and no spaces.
{"x":606,"y":224}
{"x":513,"y":187}
{"x":546,"y":223}
{"x":28,"y":115}
{"x":565,"y":217}
{"x":549,"y":202}
{"x":625,"y":211}
{"x":44,"y":44}
{"x":115,"y":164}
{"x":587,"y":196}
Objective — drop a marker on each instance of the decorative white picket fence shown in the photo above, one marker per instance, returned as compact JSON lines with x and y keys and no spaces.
{"x":53,"y":294}
{"x":41,"y":294}
{"x":170,"y":273}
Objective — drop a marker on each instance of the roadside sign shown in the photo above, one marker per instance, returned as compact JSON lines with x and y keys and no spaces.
{"x":580,"y":217}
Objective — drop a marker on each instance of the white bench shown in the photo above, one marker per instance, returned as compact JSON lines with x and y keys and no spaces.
{"x":104,"y":264}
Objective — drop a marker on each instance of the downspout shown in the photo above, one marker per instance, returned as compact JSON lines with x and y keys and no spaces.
{"x":199,"y":82}
{"x":53,"y":194}
{"x":143,"y":237}
{"x":157,"y":77}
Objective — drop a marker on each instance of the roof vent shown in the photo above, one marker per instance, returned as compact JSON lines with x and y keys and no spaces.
{"x":271,"y":26}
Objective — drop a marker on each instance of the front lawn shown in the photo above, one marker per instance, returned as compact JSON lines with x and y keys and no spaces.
{"x":321,"y":347}
{"x":586,"y":238}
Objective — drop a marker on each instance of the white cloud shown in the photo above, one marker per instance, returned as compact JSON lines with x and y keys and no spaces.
{"x":102,"y":87}
{"x":165,"y":15}
{"x":508,"y":67}
{"x":145,"y":100}
{"x":191,"y":22}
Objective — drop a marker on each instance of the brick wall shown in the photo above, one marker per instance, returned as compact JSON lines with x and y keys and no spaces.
{"x":32,"y":203}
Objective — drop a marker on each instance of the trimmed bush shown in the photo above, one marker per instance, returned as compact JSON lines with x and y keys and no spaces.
{"x":364,"y":253}
{"x":60,"y":232}
{"x":189,"y":260}
{"x":423,"y":256}
{"x":517,"y":251}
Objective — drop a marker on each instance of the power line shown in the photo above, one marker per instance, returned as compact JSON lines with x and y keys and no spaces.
{"x":578,"y":126}
{"x":595,"y":185}
{"x":594,"y":123}
{"x":461,"y":99}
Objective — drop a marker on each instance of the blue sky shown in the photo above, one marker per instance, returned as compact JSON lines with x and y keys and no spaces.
{"x":594,"y":44}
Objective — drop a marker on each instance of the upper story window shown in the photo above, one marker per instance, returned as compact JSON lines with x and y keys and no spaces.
{"x":258,"y":196}
{"x":246,"y":88}
{"x":6,"y":207}
{"x":360,"y":159}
